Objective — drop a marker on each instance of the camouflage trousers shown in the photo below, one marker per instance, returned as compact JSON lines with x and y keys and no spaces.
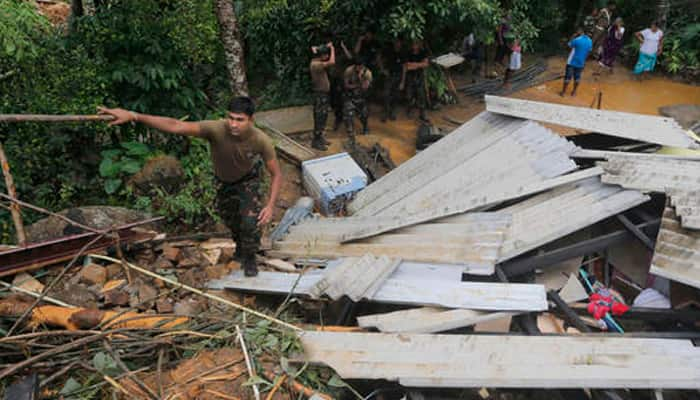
{"x":415,"y":91}
{"x":322,"y":103}
{"x":355,"y":103}
{"x":239,"y":204}
{"x":392,"y":92}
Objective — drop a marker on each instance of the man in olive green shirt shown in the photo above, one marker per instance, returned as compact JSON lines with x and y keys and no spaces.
{"x":323,"y":58}
{"x":238,"y":150}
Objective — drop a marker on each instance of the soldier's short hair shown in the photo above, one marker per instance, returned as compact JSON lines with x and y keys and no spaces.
{"x":242,"y":105}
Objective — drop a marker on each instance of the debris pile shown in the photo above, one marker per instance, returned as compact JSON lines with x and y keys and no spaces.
{"x":501,"y":256}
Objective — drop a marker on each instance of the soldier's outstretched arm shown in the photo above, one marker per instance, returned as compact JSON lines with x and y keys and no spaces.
{"x":165,"y":124}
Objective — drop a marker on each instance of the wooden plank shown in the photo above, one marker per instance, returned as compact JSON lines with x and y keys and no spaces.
{"x":427,"y":320}
{"x":448,"y":294}
{"x":645,"y":128}
{"x":289,"y":148}
{"x":449,"y":361}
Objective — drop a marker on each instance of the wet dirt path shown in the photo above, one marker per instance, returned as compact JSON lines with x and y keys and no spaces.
{"x":621,"y":92}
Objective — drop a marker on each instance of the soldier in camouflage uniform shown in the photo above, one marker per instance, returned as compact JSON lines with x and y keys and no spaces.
{"x":324,"y":57}
{"x":238,"y":151}
{"x":414,"y":78}
{"x":357,"y":79}
{"x":392,"y":66}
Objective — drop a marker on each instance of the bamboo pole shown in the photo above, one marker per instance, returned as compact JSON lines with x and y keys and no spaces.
{"x":53,"y":118}
{"x":14,"y":207}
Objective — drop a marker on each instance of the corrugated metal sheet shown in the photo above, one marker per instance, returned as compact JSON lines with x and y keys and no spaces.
{"x":449,"y":152}
{"x":555,"y":214}
{"x":530,"y":154}
{"x":677,"y":252}
{"x":687,"y":205}
{"x":409,"y":291}
{"x":460,"y":361}
{"x":427,"y":320}
{"x":474,"y":241}
{"x":527,"y":154}
{"x":357,"y":278}
{"x":646,"y":128}
{"x":651,"y":173}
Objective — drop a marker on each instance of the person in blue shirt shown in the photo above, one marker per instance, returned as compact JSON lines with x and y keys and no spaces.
{"x":580,"y":46}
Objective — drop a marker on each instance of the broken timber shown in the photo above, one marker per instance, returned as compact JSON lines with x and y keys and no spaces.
{"x":54,"y":118}
{"x":439,"y":293}
{"x":460,"y":361}
{"x":645,"y":128}
{"x":292,"y":150}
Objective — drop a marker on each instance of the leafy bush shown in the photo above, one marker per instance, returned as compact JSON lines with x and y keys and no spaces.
{"x":119,"y":163}
{"x":20,"y":25}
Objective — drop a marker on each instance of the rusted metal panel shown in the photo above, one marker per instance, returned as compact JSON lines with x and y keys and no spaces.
{"x":37,"y":255}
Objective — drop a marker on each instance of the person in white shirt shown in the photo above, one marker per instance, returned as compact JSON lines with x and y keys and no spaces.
{"x":652,"y":43}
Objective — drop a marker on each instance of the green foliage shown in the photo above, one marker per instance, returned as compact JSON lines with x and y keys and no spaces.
{"x":20,"y":25}
{"x":151,"y":62}
{"x":193,"y":204}
{"x":120,"y":163}
{"x":681,"y":46}
{"x":416,"y":19}
{"x":437,"y":82}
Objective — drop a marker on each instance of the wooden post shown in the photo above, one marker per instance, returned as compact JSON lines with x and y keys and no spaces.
{"x":53,"y":118}
{"x":14,"y":207}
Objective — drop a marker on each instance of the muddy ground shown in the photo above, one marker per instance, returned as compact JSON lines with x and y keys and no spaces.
{"x":620,"y":92}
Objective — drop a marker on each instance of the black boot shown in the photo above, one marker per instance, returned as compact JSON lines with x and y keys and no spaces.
{"x":318,"y":143}
{"x":250,"y":267}
{"x":237,"y":255}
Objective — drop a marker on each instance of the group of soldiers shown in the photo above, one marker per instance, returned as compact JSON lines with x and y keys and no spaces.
{"x":345,"y":90}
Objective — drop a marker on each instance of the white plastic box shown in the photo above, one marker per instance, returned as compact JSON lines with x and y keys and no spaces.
{"x":333,"y":181}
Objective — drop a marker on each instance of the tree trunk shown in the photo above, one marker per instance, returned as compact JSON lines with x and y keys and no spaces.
{"x":76,"y":8}
{"x":233,"y":49}
{"x":14,"y":208}
{"x":662,"y":7}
